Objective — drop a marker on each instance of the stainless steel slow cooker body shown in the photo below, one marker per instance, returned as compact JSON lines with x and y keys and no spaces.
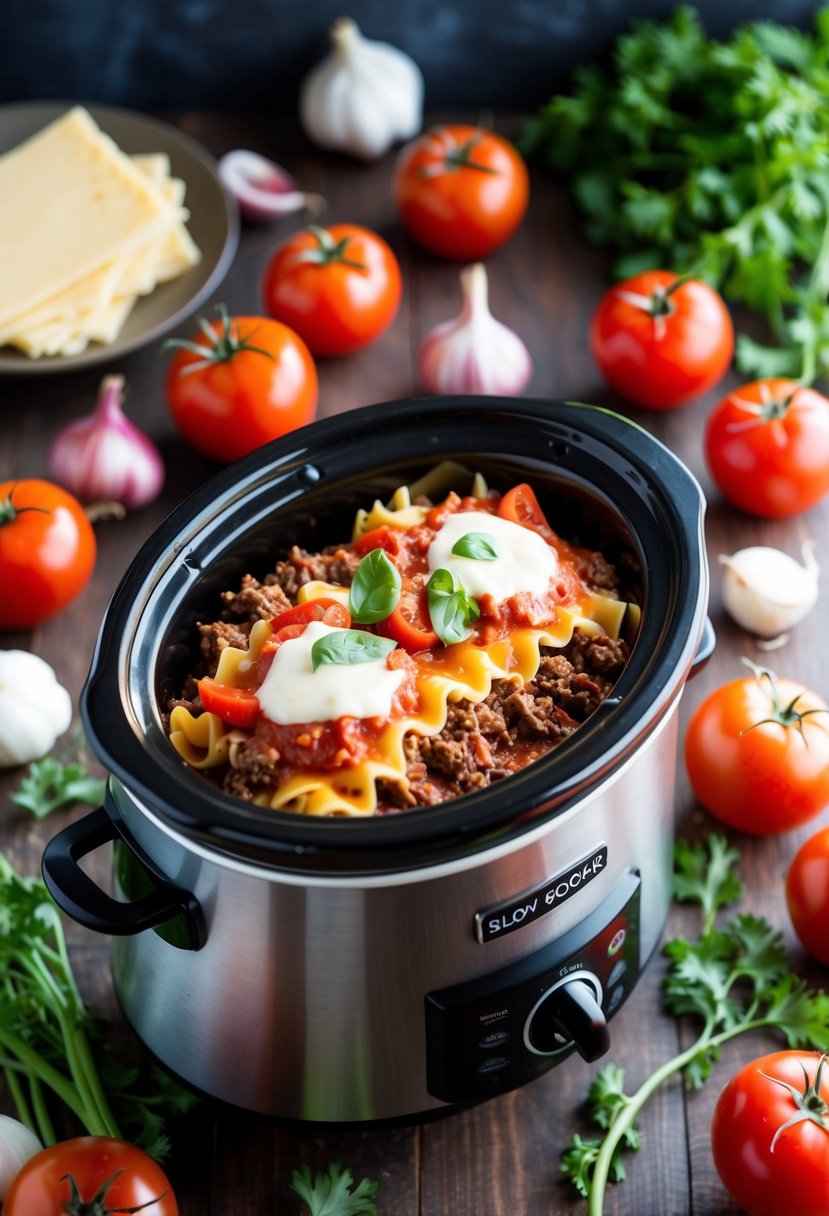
{"x":373,"y":969}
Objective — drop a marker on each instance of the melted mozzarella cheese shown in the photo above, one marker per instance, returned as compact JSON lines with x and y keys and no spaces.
{"x":292,"y":692}
{"x":525,"y":561}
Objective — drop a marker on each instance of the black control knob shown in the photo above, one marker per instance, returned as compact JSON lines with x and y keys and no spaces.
{"x":570,"y":1013}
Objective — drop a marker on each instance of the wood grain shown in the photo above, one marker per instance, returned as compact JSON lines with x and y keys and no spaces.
{"x":499,"y":1158}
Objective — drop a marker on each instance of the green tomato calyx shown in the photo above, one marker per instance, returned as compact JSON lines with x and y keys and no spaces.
{"x":808,"y":1101}
{"x":96,"y":1206}
{"x":782,"y":715}
{"x":223,"y":343}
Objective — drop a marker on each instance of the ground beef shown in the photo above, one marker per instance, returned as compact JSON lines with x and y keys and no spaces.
{"x":218,"y":635}
{"x":485,"y":742}
{"x":331,"y":566}
{"x":599,"y":575}
{"x":255,"y":601}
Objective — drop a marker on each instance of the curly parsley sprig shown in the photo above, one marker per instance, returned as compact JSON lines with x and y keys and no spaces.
{"x":686,"y":152}
{"x":731,"y":980}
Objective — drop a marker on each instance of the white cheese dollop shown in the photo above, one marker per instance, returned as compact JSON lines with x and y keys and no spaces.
{"x":525,"y":561}
{"x":292,"y":692}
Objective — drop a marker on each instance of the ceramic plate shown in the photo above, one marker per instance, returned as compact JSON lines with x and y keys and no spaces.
{"x":213,"y":224}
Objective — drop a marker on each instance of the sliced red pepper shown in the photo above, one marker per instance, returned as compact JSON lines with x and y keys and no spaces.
{"x":236,"y":706}
{"x":409,"y":624}
{"x":520,"y":506}
{"x":325,"y":609}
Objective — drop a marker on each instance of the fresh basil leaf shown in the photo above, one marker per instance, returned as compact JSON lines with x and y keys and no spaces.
{"x":349,"y":646}
{"x":451,"y":608}
{"x":375,"y":589}
{"x":478,"y":545}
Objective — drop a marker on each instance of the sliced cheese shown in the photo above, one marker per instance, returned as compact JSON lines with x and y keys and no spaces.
{"x":70,"y":202}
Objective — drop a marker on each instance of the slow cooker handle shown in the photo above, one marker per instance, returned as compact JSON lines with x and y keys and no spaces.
{"x":78,"y":896}
{"x":707,"y":645}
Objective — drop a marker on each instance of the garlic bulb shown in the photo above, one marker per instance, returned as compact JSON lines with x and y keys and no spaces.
{"x":17,"y":1146}
{"x":767,"y":591}
{"x":363,"y":96}
{"x":474,"y":353}
{"x":34,"y":708}
{"x":105,"y":456}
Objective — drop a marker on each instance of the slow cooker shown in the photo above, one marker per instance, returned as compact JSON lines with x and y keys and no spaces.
{"x":332,"y":969}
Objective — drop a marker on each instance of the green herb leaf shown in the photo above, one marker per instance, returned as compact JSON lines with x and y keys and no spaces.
{"x":451,"y":609}
{"x":689,"y":152}
{"x":704,"y":873}
{"x":349,"y":646}
{"x":731,"y":980}
{"x":49,"y":785}
{"x":375,"y":589}
{"x":478,"y":545}
{"x":48,"y":1041}
{"x":331,"y":1195}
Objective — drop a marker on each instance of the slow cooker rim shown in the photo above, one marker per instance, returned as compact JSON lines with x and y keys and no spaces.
{"x":227,"y":821}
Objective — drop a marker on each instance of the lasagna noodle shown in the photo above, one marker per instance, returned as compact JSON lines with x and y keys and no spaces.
{"x":466,"y":673}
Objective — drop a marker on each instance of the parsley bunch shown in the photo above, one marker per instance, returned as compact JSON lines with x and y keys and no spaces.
{"x":47,"y":1035}
{"x":712,"y":158}
{"x":733,"y":979}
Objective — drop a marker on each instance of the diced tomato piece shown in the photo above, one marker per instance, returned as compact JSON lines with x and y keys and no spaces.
{"x":325,"y":609}
{"x":383,"y":537}
{"x":520,"y":506}
{"x":409,"y":624}
{"x":236,"y":706}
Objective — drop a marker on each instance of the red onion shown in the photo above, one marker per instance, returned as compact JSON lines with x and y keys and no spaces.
{"x":263,"y":189}
{"x":105,"y":456}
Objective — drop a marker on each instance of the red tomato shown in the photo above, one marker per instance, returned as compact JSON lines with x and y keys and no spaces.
{"x":47,"y":551}
{"x":767,"y":447}
{"x":119,"y":1176}
{"x":338,"y":287}
{"x":807,"y":894}
{"x":461,"y":190}
{"x":409,"y":624}
{"x":660,"y":347}
{"x":236,"y":706}
{"x":520,"y":506}
{"x":251,"y":382}
{"x":770,"y":1168}
{"x":757,"y":754}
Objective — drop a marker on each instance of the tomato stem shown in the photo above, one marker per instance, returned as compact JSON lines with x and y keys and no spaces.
{"x":455,"y":156}
{"x":328,"y":251}
{"x":9,"y":512}
{"x":808,"y":1102}
{"x":77,"y":1206}
{"x":782,"y":715}
{"x":222,"y":345}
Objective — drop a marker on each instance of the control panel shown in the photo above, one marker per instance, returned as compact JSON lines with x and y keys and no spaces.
{"x":491,"y":1034}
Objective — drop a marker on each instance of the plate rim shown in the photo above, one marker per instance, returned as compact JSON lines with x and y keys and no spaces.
{"x":19,"y":364}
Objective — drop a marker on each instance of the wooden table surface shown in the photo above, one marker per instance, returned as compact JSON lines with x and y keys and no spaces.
{"x":500,"y":1158}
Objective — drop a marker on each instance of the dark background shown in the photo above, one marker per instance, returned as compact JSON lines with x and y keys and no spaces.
{"x":157,"y":54}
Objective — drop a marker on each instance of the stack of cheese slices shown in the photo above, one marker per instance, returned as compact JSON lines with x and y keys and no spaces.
{"x":84,"y":231}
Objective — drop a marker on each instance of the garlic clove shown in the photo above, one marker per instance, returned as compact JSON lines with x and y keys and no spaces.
{"x":35,"y":709}
{"x":263,"y":190}
{"x":474,"y":353}
{"x":18,"y":1144}
{"x":767,"y":591}
{"x":363,"y":96}
{"x":105,"y":456}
